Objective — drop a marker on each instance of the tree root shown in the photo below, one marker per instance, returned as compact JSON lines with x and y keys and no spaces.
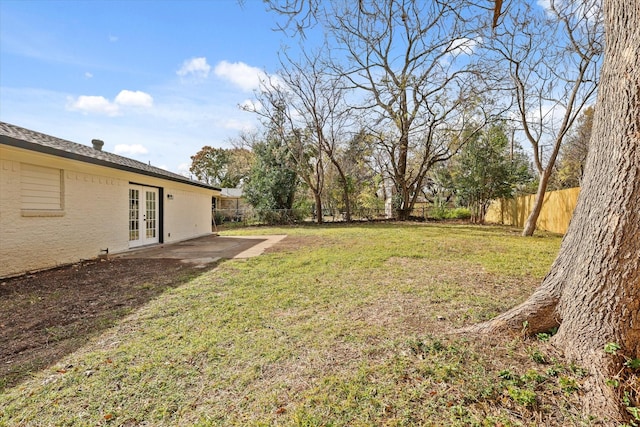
{"x":539,"y":314}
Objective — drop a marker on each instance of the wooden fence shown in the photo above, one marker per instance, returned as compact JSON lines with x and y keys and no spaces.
{"x":557,"y":210}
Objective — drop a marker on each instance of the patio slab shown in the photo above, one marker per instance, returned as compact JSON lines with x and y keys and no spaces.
{"x":205,"y":250}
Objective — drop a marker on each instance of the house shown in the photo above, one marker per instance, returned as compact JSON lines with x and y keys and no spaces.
{"x":231,"y":204}
{"x":61,"y":202}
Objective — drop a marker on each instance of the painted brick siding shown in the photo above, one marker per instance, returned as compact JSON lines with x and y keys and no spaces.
{"x":188,"y":214}
{"x":94,"y":217}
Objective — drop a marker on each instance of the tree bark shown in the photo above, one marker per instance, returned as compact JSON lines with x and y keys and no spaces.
{"x":592,"y":291}
{"x":319,"y":216}
{"x":532,"y":220}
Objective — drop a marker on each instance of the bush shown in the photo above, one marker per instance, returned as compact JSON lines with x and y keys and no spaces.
{"x":219,"y":218}
{"x":459,"y":213}
{"x":442,"y":212}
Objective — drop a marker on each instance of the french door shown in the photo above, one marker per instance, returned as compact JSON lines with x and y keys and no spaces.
{"x":143,"y":215}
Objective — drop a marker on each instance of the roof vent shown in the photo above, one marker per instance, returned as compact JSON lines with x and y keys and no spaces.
{"x":97,"y":144}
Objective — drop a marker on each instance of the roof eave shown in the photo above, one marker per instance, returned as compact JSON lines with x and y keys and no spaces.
{"x":26,"y":145}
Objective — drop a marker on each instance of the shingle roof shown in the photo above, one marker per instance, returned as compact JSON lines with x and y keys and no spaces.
{"x":24,"y":138}
{"x":231,"y":192}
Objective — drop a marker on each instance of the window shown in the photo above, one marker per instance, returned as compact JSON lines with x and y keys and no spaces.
{"x":41,"y":190}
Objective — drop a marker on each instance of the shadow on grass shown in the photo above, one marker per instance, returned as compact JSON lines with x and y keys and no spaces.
{"x":50,"y":314}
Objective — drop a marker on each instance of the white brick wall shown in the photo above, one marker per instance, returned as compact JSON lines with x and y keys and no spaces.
{"x":95,"y":214}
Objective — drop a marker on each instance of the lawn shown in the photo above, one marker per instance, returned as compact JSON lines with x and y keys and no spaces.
{"x":337,"y":325}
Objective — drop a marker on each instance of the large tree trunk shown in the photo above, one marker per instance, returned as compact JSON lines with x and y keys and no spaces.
{"x":402,"y":211}
{"x":593,"y":289}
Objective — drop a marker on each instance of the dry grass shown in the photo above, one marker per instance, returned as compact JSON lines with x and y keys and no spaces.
{"x":335,"y":326}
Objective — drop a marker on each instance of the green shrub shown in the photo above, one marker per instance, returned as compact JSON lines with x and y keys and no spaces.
{"x":443,"y":212}
{"x":459,"y":213}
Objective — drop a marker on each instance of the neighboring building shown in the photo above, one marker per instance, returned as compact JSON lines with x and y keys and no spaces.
{"x":231,"y":198}
{"x":231,"y":205}
{"x":61,"y":202}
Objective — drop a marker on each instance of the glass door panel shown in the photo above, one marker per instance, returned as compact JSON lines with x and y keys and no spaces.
{"x":143,"y":215}
{"x":151,"y":214}
{"x":134,"y":214}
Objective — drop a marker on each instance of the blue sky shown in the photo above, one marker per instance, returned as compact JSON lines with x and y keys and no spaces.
{"x":156,"y":80}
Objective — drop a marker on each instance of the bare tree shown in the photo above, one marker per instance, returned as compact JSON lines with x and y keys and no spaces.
{"x":410,"y":60}
{"x":275,"y":105}
{"x":552,"y":58}
{"x":317,"y":96}
{"x":309,"y":101}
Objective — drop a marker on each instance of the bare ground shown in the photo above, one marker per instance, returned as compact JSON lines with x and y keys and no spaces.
{"x":47,"y":315}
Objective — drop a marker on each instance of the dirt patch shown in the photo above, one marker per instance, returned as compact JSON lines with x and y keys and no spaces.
{"x":293,"y":243}
{"x":47,"y":315}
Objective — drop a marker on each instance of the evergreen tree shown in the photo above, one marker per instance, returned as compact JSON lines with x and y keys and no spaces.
{"x":272,"y":182}
{"x":485,"y":170}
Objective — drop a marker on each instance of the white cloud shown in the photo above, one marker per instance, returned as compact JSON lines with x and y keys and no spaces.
{"x":195,"y":67}
{"x":130,"y":149}
{"x":236,"y":124}
{"x":93,"y":104}
{"x":250,"y":105}
{"x":134,"y":99}
{"x":100,"y":105}
{"x":88,"y":75}
{"x":240,"y":74}
{"x":545,"y":4}
{"x":463,"y":45}
{"x":589,"y":9}
{"x":183,"y":169}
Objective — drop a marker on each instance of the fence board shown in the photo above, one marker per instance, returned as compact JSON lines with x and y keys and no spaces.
{"x":557,"y":210}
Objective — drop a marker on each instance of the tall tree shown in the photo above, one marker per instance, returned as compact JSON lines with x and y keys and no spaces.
{"x":359,"y":175}
{"x":276,"y":107}
{"x":356,"y":180}
{"x":592,"y":291}
{"x":272,"y":182}
{"x":209,"y":165}
{"x":227,"y":168}
{"x":410,"y":60}
{"x":310,"y":100}
{"x":552,"y":57}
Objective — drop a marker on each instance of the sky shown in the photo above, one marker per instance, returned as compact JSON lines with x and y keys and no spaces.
{"x":155,"y":80}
